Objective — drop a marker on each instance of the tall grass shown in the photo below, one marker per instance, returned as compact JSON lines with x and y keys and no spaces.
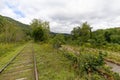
{"x":4,"y":48}
{"x":51,"y":64}
{"x":8,"y":51}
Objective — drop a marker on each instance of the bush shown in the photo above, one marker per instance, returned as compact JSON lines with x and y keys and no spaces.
{"x":58,"y":40}
{"x":116,"y":76}
{"x":85,"y":63}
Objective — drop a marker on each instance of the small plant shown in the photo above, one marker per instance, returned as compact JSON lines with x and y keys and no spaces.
{"x":116,"y":76}
{"x":58,"y":40}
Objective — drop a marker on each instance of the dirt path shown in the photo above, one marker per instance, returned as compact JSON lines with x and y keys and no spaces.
{"x":22,"y":68}
{"x":115,"y":67}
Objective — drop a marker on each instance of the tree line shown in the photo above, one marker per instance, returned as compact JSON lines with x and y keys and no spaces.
{"x":39,"y":30}
{"x":80,"y":35}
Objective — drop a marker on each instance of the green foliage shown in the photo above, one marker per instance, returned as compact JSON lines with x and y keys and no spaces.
{"x":85,"y":63}
{"x":108,"y":35}
{"x":116,"y":76}
{"x":8,"y":51}
{"x":75,"y":32}
{"x":82,"y":34}
{"x":4,"y":48}
{"x":89,"y":63}
{"x":40,"y":30}
{"x":71,"y":57}
{"x":97,"y":77}
{"x":58,"y":40}
{"x":99,"y":40}
{"x":51,"y":64}
{"x":38,"y":34}
{"x":112,"y":47}
{"x":1,"y":23}
{"x":115,"y":39}
{"x":10,"y":31}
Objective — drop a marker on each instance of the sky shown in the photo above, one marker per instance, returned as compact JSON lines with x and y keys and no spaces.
{"x":64,"y":15}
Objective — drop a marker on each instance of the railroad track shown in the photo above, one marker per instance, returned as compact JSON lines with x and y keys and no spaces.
{"x":22,"y":66}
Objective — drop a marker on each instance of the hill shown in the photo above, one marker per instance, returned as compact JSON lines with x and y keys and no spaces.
{"x":12,"y":30}
{"x":4,"y":20}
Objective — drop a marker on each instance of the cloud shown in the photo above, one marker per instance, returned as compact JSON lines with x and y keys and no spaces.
{"x":64,"y":14}
{"x":15,"y":9}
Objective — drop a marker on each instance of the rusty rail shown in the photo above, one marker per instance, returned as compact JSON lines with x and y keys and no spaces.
{"x":1,"y":70}
{"x":35,"y":65}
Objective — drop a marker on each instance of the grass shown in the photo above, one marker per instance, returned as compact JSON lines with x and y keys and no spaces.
{"x":89,"y":56}
{"x":51,"y":64}
{"x":21,"y":67}
{"x":112,"y":55}
{"x":7,"y":52}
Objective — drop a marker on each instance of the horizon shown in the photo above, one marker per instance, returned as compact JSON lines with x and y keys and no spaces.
{"x":64,"y":32}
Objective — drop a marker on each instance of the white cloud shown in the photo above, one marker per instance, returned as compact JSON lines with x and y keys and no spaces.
{"x":8,"y":12}
{"x":65,"y":14}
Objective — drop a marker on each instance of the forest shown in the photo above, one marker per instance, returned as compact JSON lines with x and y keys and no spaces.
{"x":83,"y":54}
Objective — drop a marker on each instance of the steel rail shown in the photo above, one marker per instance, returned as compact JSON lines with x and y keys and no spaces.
{"x":1,"y":70}
{"x":35,"y":65}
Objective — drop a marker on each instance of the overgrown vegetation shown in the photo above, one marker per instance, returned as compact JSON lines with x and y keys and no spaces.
{"x":11,"y":31}
{"x":51,"y":64}
{"x":84,"y":62}
{"x":89,"y":66}
{"x":7,"y":52}
{"x":84,"y":34}
{"x":13,"y":35}
{"x":40,"y":30}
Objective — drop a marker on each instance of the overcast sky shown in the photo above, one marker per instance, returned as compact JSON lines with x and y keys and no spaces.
{"x":63,"y":15}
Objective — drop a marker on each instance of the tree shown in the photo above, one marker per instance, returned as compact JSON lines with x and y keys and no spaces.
{"x":1,"y":24}
{"x":115,"y":39}
{"x":40,"y":30}
{"x":98,"y":37}
{"x":83,"y":33}
{"x":38,"y":34}
{"x":10,"y":31}
{"x":107,"y":36}
{"x":76,"y":32}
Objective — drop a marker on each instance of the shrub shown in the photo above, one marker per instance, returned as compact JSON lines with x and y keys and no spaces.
{"x":85,"y":63}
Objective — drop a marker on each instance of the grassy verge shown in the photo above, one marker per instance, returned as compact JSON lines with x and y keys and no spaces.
{"x":51,"y":64}
{"x":7,"y":52}
{"x":111,"y":55}
{"x":89,"y":63}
